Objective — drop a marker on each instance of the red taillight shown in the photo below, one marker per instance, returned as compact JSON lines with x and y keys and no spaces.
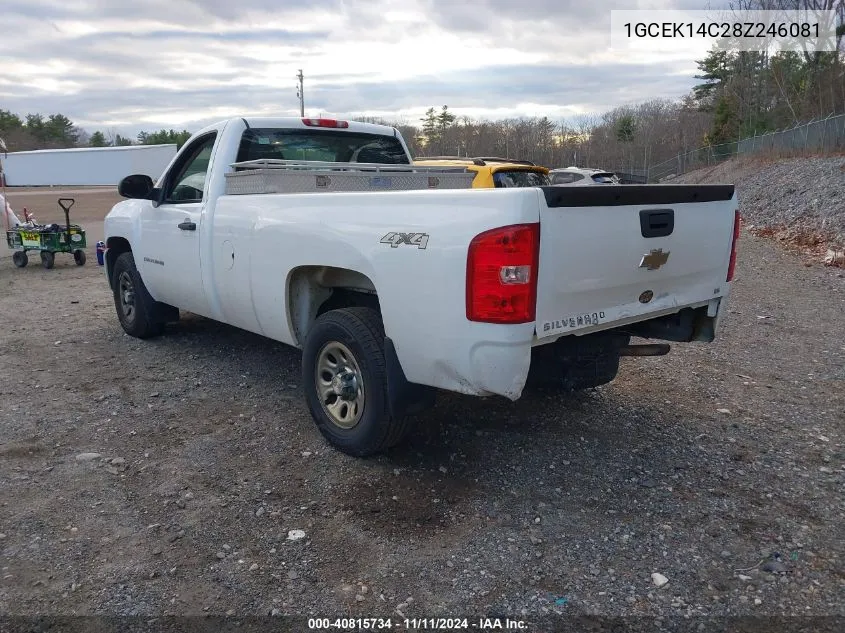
{"x":732,"y":264}
{"x":325,"y":123}
{"x":502,"y":274}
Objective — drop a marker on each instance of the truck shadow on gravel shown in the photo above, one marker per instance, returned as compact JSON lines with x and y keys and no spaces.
{"x":592,"y":452}
{"x":547,"y":487}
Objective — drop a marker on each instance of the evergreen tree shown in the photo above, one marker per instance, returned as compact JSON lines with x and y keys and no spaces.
{"x":98,"y":139}
{"x":430,"y":128}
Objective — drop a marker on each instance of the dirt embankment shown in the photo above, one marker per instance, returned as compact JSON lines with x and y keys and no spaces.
{"x":800,"y":202}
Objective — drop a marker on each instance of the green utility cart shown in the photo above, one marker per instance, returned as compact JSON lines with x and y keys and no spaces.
{"x":48,"y":239}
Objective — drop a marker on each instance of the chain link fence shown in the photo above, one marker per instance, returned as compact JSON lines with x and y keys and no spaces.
{"x":823,"y":135}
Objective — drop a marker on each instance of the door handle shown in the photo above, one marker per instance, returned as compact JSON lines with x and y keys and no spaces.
{"x":187,"y":225}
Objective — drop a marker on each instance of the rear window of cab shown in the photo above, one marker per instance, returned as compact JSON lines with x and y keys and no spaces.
{"x":320,"y":145}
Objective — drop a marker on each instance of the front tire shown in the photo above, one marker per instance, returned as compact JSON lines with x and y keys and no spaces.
{"x":79,"y":257}
{"x":345,"y":382}
{"x":135,"y":307}
{"x":20,"y":259}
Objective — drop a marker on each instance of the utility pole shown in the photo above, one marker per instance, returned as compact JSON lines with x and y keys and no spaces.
{"x":301,"y":94}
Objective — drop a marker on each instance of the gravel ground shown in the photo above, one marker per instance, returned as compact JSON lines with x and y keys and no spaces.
{"x":795,"y":197}
{"x":178,"y":475}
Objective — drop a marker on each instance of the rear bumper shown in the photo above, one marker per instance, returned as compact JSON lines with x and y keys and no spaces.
{"x":499,"y":365}
{"x":487,"y":368}
{"x":479,"y":359}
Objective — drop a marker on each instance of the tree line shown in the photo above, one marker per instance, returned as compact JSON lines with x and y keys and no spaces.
{"x":749,"y":93}
{"x":739,"y":94}
{"x":36,"y":131}
{"x":56,"y":131}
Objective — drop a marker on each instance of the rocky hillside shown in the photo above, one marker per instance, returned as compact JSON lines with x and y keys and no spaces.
{"x":798,"y":201}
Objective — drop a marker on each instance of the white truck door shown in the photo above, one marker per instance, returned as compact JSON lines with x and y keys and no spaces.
{"x":170,"y":261}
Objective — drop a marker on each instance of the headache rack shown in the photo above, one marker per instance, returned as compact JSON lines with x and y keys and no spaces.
{"x":292,"y":176}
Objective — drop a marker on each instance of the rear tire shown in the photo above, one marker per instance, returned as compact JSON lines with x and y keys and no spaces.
{"x":574,"y":363}
{"x":79,"y":257}
{"x":135,"y":307}
{"x":20,"y":259}
{"x":345,"y":382}
{"x":48,"y":259}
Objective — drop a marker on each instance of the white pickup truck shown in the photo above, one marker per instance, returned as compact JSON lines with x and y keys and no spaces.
{"x":393,"y":294}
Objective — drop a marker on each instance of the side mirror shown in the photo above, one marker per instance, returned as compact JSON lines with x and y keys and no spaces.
{"x":136,"y":186}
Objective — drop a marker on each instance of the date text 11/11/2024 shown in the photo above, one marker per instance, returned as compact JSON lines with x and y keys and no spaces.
{"x":416,"y":624}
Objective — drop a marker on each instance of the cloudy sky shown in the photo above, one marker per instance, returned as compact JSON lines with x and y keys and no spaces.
{"x":147,"y":64}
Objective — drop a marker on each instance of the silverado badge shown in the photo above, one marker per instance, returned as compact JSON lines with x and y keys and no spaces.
{"x":655,"y":259}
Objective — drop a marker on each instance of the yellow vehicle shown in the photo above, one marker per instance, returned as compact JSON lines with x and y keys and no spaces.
{"x":493,"y":172}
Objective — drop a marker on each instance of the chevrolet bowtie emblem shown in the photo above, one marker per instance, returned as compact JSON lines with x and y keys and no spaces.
{"x":655,"y":259}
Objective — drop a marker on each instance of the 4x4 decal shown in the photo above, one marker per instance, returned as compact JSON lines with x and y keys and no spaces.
{"x":420,"y":240}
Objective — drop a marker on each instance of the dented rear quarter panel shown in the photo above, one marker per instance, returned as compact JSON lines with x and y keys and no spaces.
{"x":422,"y":291}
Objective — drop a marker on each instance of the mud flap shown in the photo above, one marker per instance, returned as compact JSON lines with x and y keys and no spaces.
{"x":406,"y":398}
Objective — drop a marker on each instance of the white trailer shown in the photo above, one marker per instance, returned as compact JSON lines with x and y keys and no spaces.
{"x":85,"y":165}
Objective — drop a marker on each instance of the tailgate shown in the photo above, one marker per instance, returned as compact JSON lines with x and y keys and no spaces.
{"x":626,"y":252}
